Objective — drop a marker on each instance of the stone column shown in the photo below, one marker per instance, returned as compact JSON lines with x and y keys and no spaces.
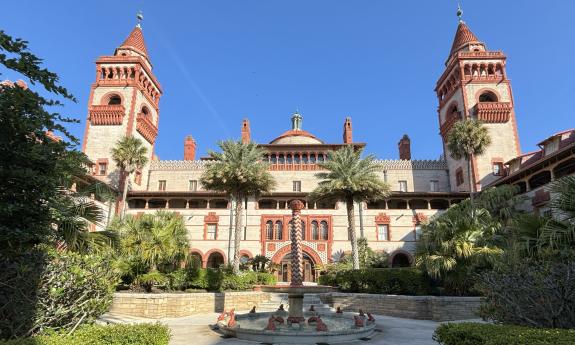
{"x":296,"y":248}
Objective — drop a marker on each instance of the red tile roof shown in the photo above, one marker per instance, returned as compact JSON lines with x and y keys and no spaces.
{"x":463,"y":36}
{"x":136,"y":41}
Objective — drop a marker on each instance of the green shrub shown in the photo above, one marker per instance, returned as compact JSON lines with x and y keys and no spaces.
{"x":224,"y":280}
{"x":144,"y":334}
{"x":44,"y":290}
{"x":539,"y":294}
{"x":489,"y":334}
{"x":265,"y":278}
{"x":398,"y":281}
{"x":151,"y":279}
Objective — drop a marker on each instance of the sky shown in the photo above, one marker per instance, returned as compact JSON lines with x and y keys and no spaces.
{"x":221,"y":61}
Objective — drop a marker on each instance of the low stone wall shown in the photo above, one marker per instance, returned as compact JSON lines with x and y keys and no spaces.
{"x":437,"y":308}
{"x":165,"y":305}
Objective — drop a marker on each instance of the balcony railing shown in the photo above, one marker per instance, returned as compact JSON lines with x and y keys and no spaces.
{"x":106,"y":115}
{"x":493,"y":112}
{"x":146,"y":128}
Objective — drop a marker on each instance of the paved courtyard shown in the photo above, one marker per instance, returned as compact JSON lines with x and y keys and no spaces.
{"x":196,"y":330}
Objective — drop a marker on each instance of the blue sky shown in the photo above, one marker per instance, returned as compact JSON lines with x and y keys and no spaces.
{"x":220,"y":61}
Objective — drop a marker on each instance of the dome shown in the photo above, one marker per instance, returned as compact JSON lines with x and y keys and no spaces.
{"x":297,"y":137}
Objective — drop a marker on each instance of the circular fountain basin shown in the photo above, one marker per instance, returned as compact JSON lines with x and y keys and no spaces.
{"x":296,"y":290}
{"x":340,"y":329}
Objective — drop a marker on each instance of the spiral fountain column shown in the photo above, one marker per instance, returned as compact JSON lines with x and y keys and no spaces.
{"x":296,"y":246}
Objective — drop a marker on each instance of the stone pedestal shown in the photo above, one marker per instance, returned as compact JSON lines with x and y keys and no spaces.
{"x":295,"y":310}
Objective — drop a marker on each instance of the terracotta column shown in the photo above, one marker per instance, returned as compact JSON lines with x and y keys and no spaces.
{"x":296,"y":249}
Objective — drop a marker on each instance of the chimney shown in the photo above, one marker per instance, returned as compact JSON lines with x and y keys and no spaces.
{"x":246,"y":135}
{"x":189,"y":148}
{"x":404,"y":146}
{"x":347,"y":135}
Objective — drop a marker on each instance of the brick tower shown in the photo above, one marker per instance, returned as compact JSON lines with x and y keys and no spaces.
{"x":124,"y":101}
{"x":475,"y":85}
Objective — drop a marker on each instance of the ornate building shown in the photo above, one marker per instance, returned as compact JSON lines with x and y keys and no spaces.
{"x":124,"y":100}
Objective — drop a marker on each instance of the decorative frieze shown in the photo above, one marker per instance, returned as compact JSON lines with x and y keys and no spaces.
{"x":146,"y":128}
{"x":493,"y":112}
{"x":398,"y":164}
{"x":106,"y":115}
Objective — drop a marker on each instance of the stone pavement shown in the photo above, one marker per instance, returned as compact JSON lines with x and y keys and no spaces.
{"x":196,"y":330}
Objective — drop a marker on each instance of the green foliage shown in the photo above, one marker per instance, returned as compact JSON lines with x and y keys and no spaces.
{"x":225,"y":280}
{"x":457,"y":244}
{"x":43,"y":290}
{"x":239,"y":171}
{"x":142,"y":334}
{"x":399,"y":281}
{"x":466,"y":138}
{"x":150,"y":243}
{"x":488,"y":334}
{"x":530,"y":293}
{"x":349,"y":178}
{"x":151,"y":279}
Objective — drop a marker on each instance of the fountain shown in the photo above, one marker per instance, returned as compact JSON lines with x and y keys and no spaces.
{"x":270,"y":327}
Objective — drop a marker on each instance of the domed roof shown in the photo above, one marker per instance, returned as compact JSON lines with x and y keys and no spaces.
{"x":296,"y":136}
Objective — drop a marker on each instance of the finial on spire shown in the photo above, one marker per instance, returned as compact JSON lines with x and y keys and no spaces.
{"x":459,"y":12}
{"x":140,"y":17}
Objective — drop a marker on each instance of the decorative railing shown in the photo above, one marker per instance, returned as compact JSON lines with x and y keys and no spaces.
{"x":106,"y":115}
{"x":146,"y":128}
{"x":474,"y":54}
{"x":446,"y":126}
{"x":493,"y":112}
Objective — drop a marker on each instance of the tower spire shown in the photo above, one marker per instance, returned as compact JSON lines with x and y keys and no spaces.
{"x":296,"y":121}
{"x":459,"y":12}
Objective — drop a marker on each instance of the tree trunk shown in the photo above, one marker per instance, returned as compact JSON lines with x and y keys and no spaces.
{"x":471,"y":189}
{"x":125,"y":193}
{"x":238,"y":232}
{"x":351,"y":229}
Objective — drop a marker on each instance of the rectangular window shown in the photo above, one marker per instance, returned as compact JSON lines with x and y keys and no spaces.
{"x":382,"y":232}
{"x":193,"y":185}
{"x":162,"y":185}
{"x":211,"y":231}
{"x":459,"y":177}
{"x":403,"y":186}
{"x":417,"y":232}
{"x":434,"y":186}
{"x":102,"y":168}
{"x":297,"y":186}
{"x":385,"y":176}
{"x":498,"y":169}
{"x":138,"y":177}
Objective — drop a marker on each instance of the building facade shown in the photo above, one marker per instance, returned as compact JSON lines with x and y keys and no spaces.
{"x":124,"y":100}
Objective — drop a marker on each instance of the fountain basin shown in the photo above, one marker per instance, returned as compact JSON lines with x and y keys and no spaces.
{"x":340,"y":329}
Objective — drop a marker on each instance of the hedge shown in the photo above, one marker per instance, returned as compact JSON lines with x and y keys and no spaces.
{"x":143,"y":334}
{"x":490,"y":334}
{"x":221,"y":280}
{"x":397,"y":281}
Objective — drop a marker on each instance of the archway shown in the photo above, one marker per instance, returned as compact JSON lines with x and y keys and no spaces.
{"x":284,"y":272}
{"x":400,"y":260}
{"x":215,"y":260}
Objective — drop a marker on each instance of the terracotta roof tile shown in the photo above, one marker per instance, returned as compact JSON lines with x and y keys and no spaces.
{"x":136,"y":40}
{"x":463,"y":36}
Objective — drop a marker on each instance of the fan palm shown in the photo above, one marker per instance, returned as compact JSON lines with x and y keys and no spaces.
{"x":129,"y":155}
{"x":559,"y":232}
{"x":239,"y":171}
{"x":453,"y":244}
{"x":468,"y":138}
{"x":153,"y":239}
{"x":350,"y":178}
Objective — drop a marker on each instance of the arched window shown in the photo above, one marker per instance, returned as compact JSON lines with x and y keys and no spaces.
{"x":278,"y":230}
{"x":453,"y":113}
{"x":302,"y":230}
{"x":269,"y":230}
{"x":145,"y":111}
{"x":114,"y":100}
{"x":487,"y":96}
{"x":314,"y":230}
{"x":274,"y":159}
{"x":323,"y":230}
{"x":281,"y":159}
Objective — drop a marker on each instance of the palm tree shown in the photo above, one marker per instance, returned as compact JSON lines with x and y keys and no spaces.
{"x":129,"y":155}
{"x":454,"y":245}
{"x":239,"y":171}
{"x":468,"y":138}
{"x":350,"y":178}
{"x":559,"y":232}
